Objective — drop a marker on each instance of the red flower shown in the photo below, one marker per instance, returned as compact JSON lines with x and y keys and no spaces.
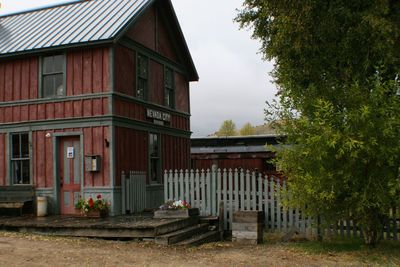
{"x":98,"y":196}
{"x":91,"y":203}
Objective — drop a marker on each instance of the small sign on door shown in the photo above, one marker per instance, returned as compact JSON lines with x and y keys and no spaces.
{"x":70,"y":153}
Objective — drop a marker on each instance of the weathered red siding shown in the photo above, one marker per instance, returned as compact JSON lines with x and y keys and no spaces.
{"x":176,"y":152}
{"x":165,"y":46}
{"x":55,"y":110}
{"x":131,"y":151}
{"x":182,"y":93}
{"x":94,"y":144}
{"x":148,"y":37}
{"x":156,"y":37}
{"x":19,"y":79}
{"x":125,"y":69}
{"x":2,"y":159}
{"x":88,"y":71}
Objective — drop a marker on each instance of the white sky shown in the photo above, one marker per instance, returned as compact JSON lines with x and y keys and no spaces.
{"x":234,"y":82}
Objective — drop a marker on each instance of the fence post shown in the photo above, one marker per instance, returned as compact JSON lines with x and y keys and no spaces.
{"x":123,"y":193}
{"x":208,"y":192}
{"x":165,"y":186}
{"x":214,"y":197}
{"x":224,"y":191}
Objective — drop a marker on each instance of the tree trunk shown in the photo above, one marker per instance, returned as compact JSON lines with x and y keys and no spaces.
{"x":372,"y":227}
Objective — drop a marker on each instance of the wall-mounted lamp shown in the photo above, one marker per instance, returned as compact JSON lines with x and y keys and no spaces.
{"x":48,"y":135}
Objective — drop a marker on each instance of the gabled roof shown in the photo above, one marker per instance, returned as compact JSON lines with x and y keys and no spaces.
{"x":73,"y":24}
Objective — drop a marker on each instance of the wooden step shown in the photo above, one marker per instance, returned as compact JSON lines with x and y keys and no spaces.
{"x":177,"y":236}
{"x":211,"y":236}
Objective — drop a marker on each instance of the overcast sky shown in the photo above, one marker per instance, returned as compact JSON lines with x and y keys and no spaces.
{"x":234,"y":82}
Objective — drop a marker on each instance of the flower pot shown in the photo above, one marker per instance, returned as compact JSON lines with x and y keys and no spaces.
{"x":176,"y":214}
{"x":96,"y":214}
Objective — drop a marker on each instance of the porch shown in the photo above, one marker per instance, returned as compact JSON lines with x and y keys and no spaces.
{"x":192,"y":230}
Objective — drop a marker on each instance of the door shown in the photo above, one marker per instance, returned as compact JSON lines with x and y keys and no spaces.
{"x":69,"y":173}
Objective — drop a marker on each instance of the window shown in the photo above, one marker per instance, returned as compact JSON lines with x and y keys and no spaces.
{"x":142,"y":76}
{"x":53,"y":76}
{"x":154,"y":155}
{"x":20,"y":159}
{"x":169,"y":88}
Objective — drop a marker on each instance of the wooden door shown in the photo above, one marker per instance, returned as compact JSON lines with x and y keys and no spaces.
{"x":69,"y":173}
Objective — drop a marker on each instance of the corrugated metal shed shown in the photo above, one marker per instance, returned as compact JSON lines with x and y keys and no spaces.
{"x":65,"y":25}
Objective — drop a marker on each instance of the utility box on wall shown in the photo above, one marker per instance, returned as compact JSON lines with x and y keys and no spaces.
{"x":92,"y":163}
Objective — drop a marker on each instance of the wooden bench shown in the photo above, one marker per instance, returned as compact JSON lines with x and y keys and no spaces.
{"x":15,"y":197}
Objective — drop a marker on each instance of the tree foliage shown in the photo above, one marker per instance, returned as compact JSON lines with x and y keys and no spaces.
{"x":228,"y":128}
{"x":247,"y":129}
{"x":337,"y":66}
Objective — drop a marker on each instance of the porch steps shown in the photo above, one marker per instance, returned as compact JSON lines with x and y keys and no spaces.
{"x":210,"y":236}
{"x":115,"y":227}
{"x":177,"y":236}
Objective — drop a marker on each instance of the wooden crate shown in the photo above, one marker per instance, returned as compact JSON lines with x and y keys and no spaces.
{"x":248,"y":227}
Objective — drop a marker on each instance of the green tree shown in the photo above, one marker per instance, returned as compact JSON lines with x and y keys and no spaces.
{"x":247,"y":129}
{"x":337,"y":66}
{"x":228,"y":128}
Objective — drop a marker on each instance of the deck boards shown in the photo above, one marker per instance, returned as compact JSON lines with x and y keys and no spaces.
{"x":112,"y":227}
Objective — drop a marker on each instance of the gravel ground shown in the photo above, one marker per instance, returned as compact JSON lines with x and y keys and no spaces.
{"x":34,"y":250}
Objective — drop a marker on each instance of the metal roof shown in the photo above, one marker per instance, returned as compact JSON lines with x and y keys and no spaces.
{"x":229,"y":149}
{"x":74,"y":23}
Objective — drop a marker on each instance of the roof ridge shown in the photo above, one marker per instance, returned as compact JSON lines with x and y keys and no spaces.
{"x":50,"y":6}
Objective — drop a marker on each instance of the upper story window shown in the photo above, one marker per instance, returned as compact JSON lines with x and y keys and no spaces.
{"x":142,"y":75}
{"x":20,"y":158}
{"x":169,"y":88}
{"x":53,"y":76}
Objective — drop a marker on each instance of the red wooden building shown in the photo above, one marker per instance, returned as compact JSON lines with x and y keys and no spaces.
{"x":90,"y":89}
{"x":235,"y":152}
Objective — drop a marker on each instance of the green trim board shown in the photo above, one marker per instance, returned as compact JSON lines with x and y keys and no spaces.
{"x":90,"y":122}
{"x":138,"y":125}
{"x":57,"y":124}
{"x":54,"y":100}
{"x":151,"y":105}
{"x":110,"y":95}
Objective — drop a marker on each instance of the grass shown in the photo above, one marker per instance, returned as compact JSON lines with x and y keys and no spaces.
{"x":386,"y":253}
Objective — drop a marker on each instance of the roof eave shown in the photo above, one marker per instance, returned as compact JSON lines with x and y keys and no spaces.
{"x":55,"y":48}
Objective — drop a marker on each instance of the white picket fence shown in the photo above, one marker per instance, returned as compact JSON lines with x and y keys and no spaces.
{"x":245,"y":190}
{"x":238,"y":190}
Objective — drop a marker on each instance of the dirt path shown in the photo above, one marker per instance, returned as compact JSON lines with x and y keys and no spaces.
{"x":34,"y":250}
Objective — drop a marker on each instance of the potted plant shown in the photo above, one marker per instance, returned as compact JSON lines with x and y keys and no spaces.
{"x":175,"y":209}
{"x":93,"y":208}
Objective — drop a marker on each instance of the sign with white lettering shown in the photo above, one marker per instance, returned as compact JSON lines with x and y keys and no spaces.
{"x":158,"y":115}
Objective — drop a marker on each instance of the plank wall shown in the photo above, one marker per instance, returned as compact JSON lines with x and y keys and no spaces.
{"x":131,"y":151}
{"x":19,"y":79}
{"x":175,"y":152}
{"x":94,"y":144}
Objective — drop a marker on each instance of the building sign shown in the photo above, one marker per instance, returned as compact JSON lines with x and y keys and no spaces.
{"x":158,"y":115}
